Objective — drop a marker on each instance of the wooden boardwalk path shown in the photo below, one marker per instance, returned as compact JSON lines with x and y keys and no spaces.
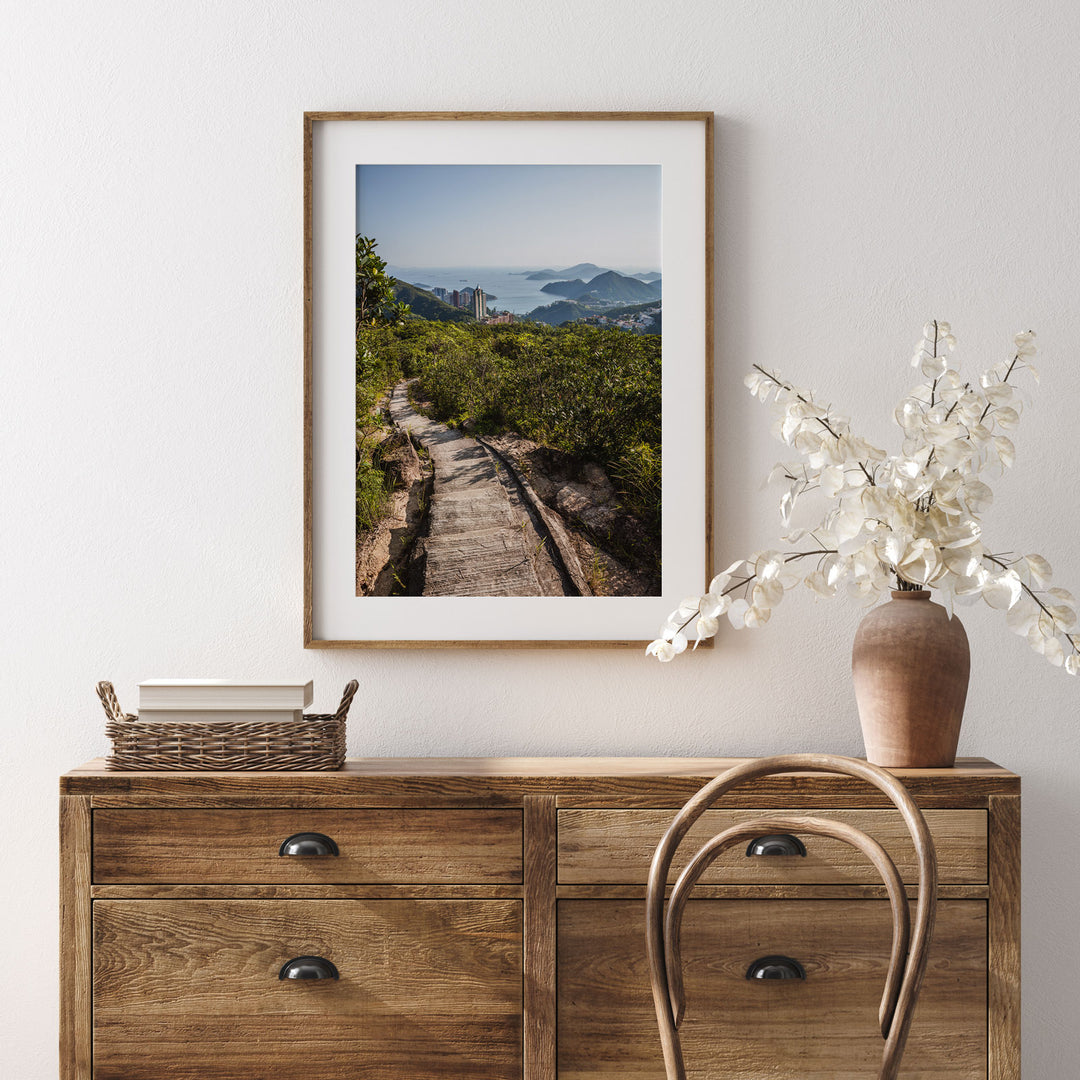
{"x":476,"y":544}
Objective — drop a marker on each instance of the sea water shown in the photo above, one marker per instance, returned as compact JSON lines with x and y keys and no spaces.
{"x":507,"y":287}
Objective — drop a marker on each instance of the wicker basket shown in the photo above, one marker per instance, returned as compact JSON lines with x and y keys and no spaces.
{"x":316,"y":743}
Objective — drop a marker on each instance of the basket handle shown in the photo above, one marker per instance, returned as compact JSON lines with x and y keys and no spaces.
{"x":346,"y":699}
{"x":109,"y":700}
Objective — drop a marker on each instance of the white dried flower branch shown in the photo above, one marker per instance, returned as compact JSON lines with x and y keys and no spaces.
{"x":910,"y":520}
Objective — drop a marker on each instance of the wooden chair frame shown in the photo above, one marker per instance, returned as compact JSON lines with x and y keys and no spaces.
{"x":908,"y":956}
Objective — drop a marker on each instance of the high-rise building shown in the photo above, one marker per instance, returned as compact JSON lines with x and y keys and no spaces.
{"x":479,"y":303}
{"x":455,"y":298}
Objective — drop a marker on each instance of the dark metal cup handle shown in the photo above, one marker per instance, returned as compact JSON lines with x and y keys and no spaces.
{"x":782,"y":844}
{"x":309,"y":967}
{"x":776,"y":967}
{"x":308,"y":843}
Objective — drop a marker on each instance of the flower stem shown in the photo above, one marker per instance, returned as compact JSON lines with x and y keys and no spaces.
{"x":1005,"y":379}
{"x":1049,"y":614}
{"x":792,"y":557}
{"x":824,"y":423}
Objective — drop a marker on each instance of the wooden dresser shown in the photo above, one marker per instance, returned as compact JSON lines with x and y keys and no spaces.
{"x":484,"y":919}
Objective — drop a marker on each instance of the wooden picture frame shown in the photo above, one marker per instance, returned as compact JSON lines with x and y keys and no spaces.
{"x":337,"y":146}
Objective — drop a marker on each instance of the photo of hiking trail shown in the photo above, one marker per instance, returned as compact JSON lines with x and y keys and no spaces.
{"x":508,"y":396}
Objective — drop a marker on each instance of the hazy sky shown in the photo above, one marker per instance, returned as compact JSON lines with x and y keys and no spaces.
{"x":512,"y":215}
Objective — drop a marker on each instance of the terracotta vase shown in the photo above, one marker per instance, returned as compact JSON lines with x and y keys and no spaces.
{"x":910,"y":665}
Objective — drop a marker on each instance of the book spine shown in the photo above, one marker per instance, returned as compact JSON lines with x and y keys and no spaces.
{"x":221,"y":716}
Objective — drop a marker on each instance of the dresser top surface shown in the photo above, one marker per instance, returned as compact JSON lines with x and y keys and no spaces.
{"x":517,"y":776}
{"x":557,"y":767}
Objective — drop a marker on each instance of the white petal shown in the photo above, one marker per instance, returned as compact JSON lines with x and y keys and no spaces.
{"x":768,"y":565}
{"x":737,"y":613}
{"x":1053,"y":651}
{"x":921,"y":562}
{"x":847,"y":525}
{"x":834,"y":569}
{"x":1022,"y":616}
{"x":1006,"y":452}
{"x":945,"y":598}
{"x":752,"y":380}
{"x":788,"y":500}
{"x":706,"y":628}
{"x":895,"y":546}
{"x":963,"y":562}
{"x":933,"y":367}
{"x":818,"y":584}
{"x":662,"y":650}
{"x":756,"y":617}
{"x":713,"y":605}
{"x":961,"y":535}
{"x":1007,"y":418}
{"x":1072,"y":663}
{"x":1040,"y":570}
{"x":719,"y":584}
{"x":768,"y":594}
{"x":1064,"y":616}
{"x":977,"y":496}
{"x":832,"y":480}
{"x":1002,"y":591}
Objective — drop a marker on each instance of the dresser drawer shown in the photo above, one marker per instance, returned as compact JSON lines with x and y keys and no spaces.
{"x":216,"y":846}
{"x":823,"y":1028}
{"x":616,"y":847}
{"x":190,"y":990}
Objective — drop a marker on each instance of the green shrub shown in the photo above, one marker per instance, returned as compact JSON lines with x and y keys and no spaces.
{"x":593,"y":393}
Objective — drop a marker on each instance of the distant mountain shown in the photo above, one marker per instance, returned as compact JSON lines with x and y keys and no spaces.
{"x":606,"y":288}
{"x":582,"y":270}
{"x":618,"y":289}
{"x":562,"y":311}
{"x":428,"y":306}
{"x":653,"y":275}
{"x":570,"y":289}
{"x":612,"y":288}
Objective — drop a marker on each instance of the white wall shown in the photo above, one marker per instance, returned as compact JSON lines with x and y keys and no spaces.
{"x":878,"y":164}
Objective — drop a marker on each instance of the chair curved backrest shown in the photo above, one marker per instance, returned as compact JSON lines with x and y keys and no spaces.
{"x":908,"y":956}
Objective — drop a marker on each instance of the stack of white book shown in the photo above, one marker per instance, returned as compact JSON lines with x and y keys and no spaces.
{"x":200,"y":701}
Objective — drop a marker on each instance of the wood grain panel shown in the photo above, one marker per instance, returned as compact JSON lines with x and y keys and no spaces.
{"x":1004,"y":1001}
{"x":190,"y":990}
{"x":75,"y":935}
{"x":822,"y":1029}
{"x":616,"y":847}
{"x":540,"y":939}
{"x":414,"y":845}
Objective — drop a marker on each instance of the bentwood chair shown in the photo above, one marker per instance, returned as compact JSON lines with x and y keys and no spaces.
{"x":907,"y":960}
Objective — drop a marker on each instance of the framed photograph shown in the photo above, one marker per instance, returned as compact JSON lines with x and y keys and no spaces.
{"x":507,"y":376}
